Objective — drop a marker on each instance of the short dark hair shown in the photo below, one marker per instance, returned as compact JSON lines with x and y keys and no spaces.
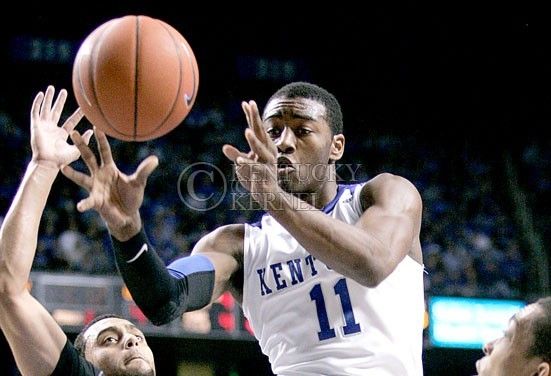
{"x":80,"y":341}
{"x":319,"y":94}
{"x":541,"y":330}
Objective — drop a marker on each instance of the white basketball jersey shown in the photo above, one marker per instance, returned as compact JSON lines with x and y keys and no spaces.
{"x":311,"y":320}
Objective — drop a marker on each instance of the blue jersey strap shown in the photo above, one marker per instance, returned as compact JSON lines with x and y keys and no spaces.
{"x":163,"y":293}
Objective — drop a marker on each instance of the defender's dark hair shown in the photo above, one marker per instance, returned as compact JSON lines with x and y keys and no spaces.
{"x":541,"y":330}
{"x":319,"y":94}
{"x":80,"y":341}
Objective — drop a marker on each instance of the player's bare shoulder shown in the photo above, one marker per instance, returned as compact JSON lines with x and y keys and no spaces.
{"x":226,"y":239}
{"x":388,"y":189}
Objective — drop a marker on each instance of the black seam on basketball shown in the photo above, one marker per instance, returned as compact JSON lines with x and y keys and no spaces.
{"x":91,"y":73}
{"x":136,"y":77}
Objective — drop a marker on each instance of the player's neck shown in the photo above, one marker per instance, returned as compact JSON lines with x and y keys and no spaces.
{"x":324,"y":195}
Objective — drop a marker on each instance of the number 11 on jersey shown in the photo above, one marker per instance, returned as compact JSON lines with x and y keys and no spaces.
{"x":341,"y":289}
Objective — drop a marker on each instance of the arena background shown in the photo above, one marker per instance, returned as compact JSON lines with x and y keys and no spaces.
{"x":453,"y":99}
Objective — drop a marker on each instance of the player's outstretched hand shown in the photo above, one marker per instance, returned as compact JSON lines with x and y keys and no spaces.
{"x":257,"y":169}
{"x":48,"y":140}
{"x":116,"y":196}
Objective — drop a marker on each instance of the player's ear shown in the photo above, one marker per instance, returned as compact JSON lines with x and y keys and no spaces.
{"x":543,"y":369}
{"x":337,"y":147}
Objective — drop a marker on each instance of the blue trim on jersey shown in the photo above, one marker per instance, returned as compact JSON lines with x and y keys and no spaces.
{"x":327,"y":208}
{"x":331,"y":205}
{"x":340,"y":190}
{"x":188,"y":265}
{"x":353,"y":187}
{"x":259,"y":222}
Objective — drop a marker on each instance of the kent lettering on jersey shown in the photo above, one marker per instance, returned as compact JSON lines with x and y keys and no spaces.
{"x":294,"y":268}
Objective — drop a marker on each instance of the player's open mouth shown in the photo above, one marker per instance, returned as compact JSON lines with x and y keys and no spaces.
{"x":284,"y":165}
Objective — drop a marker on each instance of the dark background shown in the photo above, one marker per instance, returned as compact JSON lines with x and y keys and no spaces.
{"x":467,"y":76}
{"x":419,"y":70}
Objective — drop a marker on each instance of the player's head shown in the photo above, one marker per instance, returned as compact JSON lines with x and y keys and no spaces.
{"x":116,"y":346}
{"x":305,"y":122}
{"x":305,"y":90}
{"x":525,"y":347}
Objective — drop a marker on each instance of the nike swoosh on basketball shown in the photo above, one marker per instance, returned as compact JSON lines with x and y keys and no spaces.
{"x":189,"y":98}
{"x":142,"y":250}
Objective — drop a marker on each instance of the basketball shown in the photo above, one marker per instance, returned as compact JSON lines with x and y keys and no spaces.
{"x":135,"y":78}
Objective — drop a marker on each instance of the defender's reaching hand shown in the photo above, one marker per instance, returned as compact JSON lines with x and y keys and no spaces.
{"x":117,"y":197}
{"x":48,"y":140}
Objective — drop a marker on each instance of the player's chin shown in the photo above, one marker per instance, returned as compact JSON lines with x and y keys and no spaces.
{"x":286,"y":184}
{"x":139,"y":367}
{"x":479,"y":367}
{"x":290,"y":183}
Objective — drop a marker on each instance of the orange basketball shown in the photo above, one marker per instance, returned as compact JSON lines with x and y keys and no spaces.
{"x":135,"y":78}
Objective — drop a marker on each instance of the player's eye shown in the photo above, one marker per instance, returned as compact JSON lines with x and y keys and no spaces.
{"x":274,"y":132}
{"x":110,"y":340}
{"x":303,"y":131}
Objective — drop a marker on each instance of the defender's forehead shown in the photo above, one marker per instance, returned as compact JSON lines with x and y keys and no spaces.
{"x":526,"y":312}
{"x":110,"y":322}
{"x":304,"y":108}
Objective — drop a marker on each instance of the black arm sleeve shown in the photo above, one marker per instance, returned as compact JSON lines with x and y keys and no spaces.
{"x":160,"y":296}
{"x":72,"y":364}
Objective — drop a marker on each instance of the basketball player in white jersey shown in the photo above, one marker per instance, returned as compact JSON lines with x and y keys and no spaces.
{"x":331,"y":279}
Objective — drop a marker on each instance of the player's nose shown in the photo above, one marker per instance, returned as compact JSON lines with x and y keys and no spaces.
{"x":488,"y":347}
{"x":287,"y":141}
{"x":131,"y":341}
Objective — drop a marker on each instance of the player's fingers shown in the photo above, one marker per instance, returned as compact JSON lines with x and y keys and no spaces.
{"x":35,"y":109}
{"x":256,"y":121}
{"x":241,"y":160}
{"x":87,"y":155}
{"x":104,"y":147}
{"x":77,"y":177}
{"x":259,"y":148}
{"x":70,"y":153}
{"x":57,"y":108}
{"x":86,"y":204}
{"x":231,"y":152}
{"x":245,"y":107}
{"x":146,"y":168}
{"x":47,"y":103}
{"x":87,"y":136}
{"x":72,"y":120}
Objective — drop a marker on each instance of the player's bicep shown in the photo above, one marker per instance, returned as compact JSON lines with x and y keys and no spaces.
{"x":394,"y":231}
{"x":224,"y":248}
{"x":35,"y":338}
{"x":392,"y":214}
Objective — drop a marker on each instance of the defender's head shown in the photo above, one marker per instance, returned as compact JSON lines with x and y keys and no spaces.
{"x":525,"y":348}
{"x":116,"y":346}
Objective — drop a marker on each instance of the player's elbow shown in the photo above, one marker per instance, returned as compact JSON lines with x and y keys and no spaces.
{"x":163,"y":313}
{"x":8,"y":287}
{"x":370,"y":279}
{"x":365,"y":276}
{"x":370,"y":275}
